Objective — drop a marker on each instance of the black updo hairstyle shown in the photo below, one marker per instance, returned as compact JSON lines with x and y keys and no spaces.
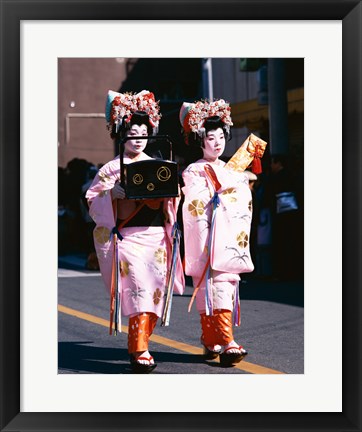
{"x":196,"y":141}
{"x":211,"y":123}
{"x":215,"y":122}
{"x":138,"y":118}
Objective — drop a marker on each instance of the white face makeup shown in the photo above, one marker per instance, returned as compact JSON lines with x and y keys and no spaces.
{"x":214,"y":144}
{"x":133,"y":148}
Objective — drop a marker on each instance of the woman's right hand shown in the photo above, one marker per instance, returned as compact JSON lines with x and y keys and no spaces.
{"x":118,"y":192}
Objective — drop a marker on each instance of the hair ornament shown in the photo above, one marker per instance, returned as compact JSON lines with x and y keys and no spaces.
{"x":193,"y":115}
{"x":121,"y":106}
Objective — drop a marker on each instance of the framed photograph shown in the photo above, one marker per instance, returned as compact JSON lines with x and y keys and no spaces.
{"x":32,"y":395}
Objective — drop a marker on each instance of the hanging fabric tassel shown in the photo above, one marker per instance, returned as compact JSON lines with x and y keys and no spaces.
{"x":208,"y":294}
{"x":256,"y":166}
{"x":236,"y":309}
{"x":115,"y":307}
{"x":117,"y":314}
{"x":171,"y":279}
{"x":198,"y":285}
{"x":256,"y":163}
{"x":114,"y":283}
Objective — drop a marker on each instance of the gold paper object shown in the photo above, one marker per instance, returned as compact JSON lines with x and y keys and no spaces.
{"x":251,"y":147}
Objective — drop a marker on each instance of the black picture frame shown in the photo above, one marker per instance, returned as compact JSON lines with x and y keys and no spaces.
{"x":12,"y":13}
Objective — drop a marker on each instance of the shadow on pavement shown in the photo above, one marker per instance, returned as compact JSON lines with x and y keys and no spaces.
{"x":287,"y":292}
{"x":166,"y":357}
{"x":81,"y":357}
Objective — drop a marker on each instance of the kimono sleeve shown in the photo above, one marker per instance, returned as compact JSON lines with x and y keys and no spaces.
{"x":196,"y":213}
{"x":99,"y":196}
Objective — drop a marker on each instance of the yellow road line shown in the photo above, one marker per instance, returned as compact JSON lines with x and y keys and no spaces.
{"x":244,"y":366}
{"x":87,"y":317}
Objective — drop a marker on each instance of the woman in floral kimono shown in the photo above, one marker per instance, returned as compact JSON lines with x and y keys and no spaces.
{"x":135,"y":234}
{"x":217,"y":213}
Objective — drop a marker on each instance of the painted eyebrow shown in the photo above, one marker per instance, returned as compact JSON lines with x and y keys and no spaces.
{"x":214,"y":135}
{"x":133,"y":130}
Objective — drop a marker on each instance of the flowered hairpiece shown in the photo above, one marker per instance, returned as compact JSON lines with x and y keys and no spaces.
{"x":193,"y":115}
{"x":120,"y":105}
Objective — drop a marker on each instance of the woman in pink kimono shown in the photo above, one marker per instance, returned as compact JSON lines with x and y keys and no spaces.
{"x":133,"y":238}
{"x":217,"y":213}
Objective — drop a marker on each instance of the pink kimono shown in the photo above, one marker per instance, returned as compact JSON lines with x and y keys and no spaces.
{"x":144,"y":252}
{"x":216,"y":235}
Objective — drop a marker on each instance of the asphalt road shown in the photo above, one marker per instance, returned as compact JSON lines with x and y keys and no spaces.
{"x":272,"y":330}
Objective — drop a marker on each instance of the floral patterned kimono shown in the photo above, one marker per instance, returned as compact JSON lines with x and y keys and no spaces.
{"x":144,"y":252}
{"x":217,"y":214}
